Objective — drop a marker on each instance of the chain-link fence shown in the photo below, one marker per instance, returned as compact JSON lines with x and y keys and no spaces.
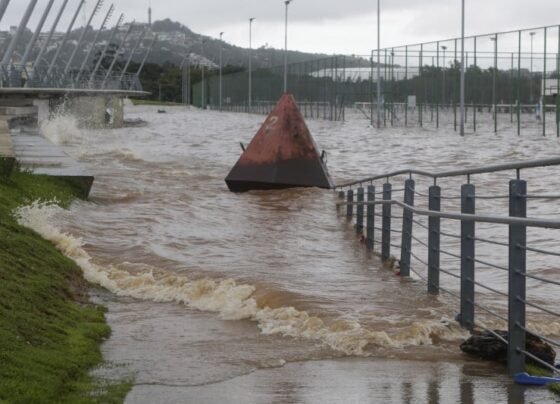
{"x":511,"y":84}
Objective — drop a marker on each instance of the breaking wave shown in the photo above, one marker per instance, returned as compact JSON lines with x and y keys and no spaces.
{"x":62,"y":129}
{"x":232,"y":300}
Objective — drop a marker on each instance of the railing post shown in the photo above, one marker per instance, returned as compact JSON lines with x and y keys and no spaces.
{"x":406,"y":236}
{"x":341,"y":196}
{"x":349,"y":206}
{"x":434,"y":203}
{"x":386,"y":223}
{"x":370,"y":213}
{"x":467,"y":258}
{"x":360,"y":211}
{"x":517,"y":269}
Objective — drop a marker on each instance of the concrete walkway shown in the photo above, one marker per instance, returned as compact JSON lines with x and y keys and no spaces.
{"x":35,"y":152}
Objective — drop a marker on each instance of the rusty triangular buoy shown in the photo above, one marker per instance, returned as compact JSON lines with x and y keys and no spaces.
{"x":281,"y":155}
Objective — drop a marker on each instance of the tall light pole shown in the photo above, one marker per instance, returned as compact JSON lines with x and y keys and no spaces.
{"x":286,"y":2}
{"x":202,"y":98}
{"x":462,"y":83}
{"x":220,"y":92}
{"x":250,"y":95}
{"x":443,"y":48}
{"x":378,"y":63}
{"x":494,"y":73}
{"x":531,"y":70}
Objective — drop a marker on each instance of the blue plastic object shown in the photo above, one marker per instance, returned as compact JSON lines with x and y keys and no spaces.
{"x":525,"y":378}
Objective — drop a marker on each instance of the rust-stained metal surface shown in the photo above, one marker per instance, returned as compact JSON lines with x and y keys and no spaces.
{"x":282,"y":154}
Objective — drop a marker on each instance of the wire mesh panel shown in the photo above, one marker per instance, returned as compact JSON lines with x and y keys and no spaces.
{"x":511,"y":84}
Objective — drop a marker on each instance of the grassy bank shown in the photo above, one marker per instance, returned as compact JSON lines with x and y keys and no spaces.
{"x":540,"y":371}
{"x":49,"y":332}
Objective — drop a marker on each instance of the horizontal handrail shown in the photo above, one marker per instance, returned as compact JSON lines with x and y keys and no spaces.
{"x":529,"y":222}
{"x":455,"y":173}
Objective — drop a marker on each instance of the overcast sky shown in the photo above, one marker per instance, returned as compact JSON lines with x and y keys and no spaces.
{"x":328,"y":26}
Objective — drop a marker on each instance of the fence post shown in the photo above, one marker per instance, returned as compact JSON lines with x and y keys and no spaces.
{"x":341,"y":195}
{"x":386,"y":223}
{"x":370,"y":212}
{"x":434,"y":203}
{"x":349,"y":206}
{"x":406,"y":236}
{"x":467,"y":258}
{"x":517,"y":269}
{"x":360,"y":211}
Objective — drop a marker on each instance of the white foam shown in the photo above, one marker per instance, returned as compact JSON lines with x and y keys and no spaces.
{"x":232,"y":301}
{"x":62,"y":129}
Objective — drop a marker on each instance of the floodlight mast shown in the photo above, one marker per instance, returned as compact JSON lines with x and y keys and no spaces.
{"x":378,"y":63}
{"x":220,"y":79}
{"x":462,"y":83}
{"x":250,"y":99}
{"x":287,"y":3}
{"x":96,"y":9}
{"x":65,"y":39}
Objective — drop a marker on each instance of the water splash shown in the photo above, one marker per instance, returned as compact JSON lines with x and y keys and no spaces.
{"x":62,"y":129}
{"x":227,"y":298}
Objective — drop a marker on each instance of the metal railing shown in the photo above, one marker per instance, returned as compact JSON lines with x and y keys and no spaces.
{"x":15,"y":75}
{"x":361,"y":203}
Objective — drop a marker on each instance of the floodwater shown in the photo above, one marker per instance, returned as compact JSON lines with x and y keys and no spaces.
{"x":269,"y":296}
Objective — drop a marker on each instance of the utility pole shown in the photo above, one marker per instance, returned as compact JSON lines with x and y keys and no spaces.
{"x":287,"y":3}
{"x":444,"y":48}
{"x":378,"y":63}
{"x":220,"y":78}
{"x":531,"y":70}
{"x":250,"y":97}
{"x":462,"y":84}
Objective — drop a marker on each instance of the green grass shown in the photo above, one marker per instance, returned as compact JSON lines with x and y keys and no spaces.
{"x":534,"y":370}
{"x":49,"y":332}
{"x":141,"y":101}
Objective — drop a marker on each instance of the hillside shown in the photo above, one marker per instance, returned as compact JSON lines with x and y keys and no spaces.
{"x":175,"y":41}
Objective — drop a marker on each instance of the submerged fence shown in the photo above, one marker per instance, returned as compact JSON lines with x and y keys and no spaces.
{"x":439,"y":238}
{"x":511,"y":81}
